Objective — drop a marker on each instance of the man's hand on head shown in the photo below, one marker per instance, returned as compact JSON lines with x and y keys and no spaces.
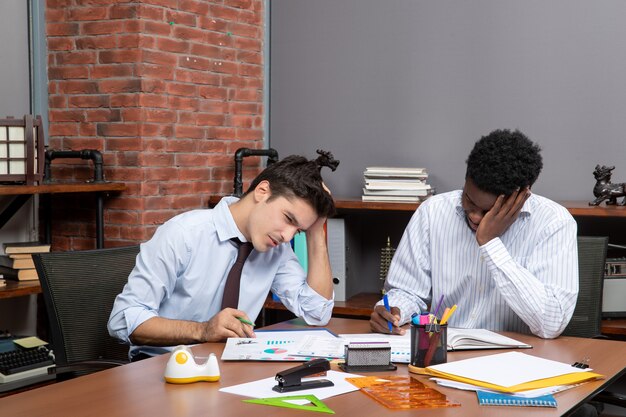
{"x":501,"y":216}
{"x":318,"y":226}
{"x":225,"y":324}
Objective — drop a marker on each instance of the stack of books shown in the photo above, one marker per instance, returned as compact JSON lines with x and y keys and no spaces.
{"x":396,"y":184}
{"x":18,"y":262}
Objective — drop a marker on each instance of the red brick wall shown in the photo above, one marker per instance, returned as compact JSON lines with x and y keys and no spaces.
{"x":167,"y":90}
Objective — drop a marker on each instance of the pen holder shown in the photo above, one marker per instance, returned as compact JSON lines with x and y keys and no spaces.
{"x":429,"y":344}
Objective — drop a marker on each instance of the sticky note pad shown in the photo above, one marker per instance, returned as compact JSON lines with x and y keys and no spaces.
{"x":29,"y":342}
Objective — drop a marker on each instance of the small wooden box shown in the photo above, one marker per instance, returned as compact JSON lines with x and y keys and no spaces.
{"x":22,"y":150}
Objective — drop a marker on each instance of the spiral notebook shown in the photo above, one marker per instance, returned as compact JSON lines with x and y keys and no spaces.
{"x":494,"y":398}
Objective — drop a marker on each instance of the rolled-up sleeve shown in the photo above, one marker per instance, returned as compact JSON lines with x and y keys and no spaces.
{"x":291,"y":287}
{"x":152,"y":279}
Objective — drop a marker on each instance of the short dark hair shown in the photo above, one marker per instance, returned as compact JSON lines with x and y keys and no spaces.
{"x":297,"y":176}
{"x":503,"y":161}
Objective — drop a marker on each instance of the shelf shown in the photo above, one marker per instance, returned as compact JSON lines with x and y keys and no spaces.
{"x":19,"y":288}
{"x":357,"y":204}
{"x":358,"y":306}
{"x":84,"y":187}
{"x":582,"y":208}
{"x":576,"y":208}
{"x":613,"y":327}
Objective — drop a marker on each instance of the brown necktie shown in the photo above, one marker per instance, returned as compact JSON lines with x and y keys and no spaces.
{"x":231,"y":289}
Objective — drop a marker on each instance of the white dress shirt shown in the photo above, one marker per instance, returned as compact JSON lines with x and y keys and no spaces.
{"x":524,"y":281}
{"x":181,"y":272}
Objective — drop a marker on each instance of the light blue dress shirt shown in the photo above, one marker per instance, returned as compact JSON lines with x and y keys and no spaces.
{"x":524,"y":281}
{"x":181,"y":272}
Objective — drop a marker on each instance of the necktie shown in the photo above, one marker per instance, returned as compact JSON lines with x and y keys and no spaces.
{"x":231,"y":289}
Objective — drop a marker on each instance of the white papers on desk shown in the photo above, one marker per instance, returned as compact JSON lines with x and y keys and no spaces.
{"x":276,"y":345}
{"x":263,"y":387}
{"x":320,"y":347}
{"x":507,"y":369}
{"x":334,"y":347}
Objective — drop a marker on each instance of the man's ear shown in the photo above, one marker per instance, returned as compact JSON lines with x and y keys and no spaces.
{"x":262,"y":191}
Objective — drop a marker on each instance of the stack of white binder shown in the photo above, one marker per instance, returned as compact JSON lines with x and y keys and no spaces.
{"x":396,"y":184}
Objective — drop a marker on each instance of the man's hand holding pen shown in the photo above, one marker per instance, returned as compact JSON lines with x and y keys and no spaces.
{"x":380,"y":318}
{"x":227,"y":323}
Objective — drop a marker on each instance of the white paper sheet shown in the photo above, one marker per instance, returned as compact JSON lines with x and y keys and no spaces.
{"x":263,"y":387}
{"x":507,"y":369}
{"x":276,"y":345}
{"x":323,"y":347}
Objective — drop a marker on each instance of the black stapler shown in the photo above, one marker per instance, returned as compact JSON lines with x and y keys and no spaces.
{"x":291,"y":379}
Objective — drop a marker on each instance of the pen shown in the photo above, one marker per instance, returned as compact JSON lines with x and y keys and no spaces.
{"x":445,"y":319}
{"x":241,"y":319}
{"x":438,"y":306}
{"x":386,"y":301}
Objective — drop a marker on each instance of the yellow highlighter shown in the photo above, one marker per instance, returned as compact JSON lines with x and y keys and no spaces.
{"x":447,"y":314}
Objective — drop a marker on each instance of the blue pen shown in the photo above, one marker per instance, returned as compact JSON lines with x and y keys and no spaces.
{"x":386,"y":301}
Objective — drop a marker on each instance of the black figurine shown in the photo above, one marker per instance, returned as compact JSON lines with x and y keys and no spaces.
{"x":326,"y":159}
{"x":604,"y":190}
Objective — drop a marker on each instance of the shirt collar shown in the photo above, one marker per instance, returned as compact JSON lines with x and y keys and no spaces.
{"x":224,"y":223}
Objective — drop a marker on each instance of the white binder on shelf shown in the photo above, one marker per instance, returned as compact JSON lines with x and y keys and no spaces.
{"x":336,"y":240}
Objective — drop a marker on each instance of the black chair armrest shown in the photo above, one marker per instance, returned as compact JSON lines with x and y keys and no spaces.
{"x":85,"y":366}
{"x":612,"y":398}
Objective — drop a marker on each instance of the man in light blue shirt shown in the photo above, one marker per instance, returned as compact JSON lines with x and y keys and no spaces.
{"x":506,"y":257}
{"x":174,"y":293}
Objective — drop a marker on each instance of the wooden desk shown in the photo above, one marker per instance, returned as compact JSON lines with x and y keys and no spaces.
{"x":23,"y":192}
{"x":138,"y":388}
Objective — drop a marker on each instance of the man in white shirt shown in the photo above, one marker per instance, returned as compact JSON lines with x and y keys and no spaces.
{"x":506,"y":257}
{"x":175,"y":293}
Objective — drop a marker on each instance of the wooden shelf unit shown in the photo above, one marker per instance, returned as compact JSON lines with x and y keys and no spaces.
{"x":19,"y":288}
{"x":357,"y":307}
{"x":22,"y":193}
{"x":59,"y":188}
{"x":576,"y":208}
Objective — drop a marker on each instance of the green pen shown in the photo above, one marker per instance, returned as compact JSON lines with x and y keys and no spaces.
{"x":241,"y":319}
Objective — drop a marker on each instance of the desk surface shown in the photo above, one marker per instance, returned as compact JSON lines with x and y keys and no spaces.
{"x":138,"y":388}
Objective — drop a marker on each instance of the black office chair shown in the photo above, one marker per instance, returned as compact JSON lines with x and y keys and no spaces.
{"x":79,"y":288}
{"x":587,"y":318}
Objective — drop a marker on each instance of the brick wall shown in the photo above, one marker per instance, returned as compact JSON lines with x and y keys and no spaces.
{"x":167,"y":90}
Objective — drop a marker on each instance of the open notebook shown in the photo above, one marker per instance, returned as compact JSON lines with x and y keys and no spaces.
{"x":466,"y":339}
